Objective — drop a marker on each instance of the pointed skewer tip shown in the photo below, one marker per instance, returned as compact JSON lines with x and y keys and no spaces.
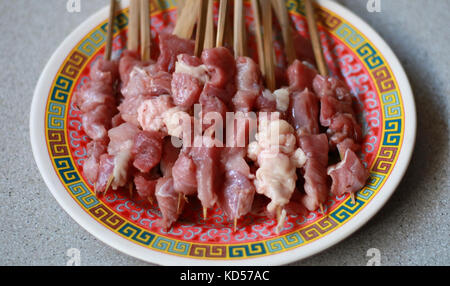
{"x":108,"y":183}
{"x":205,"y":213}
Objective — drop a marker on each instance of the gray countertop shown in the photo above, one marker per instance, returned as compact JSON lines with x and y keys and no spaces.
{"x":411,"y":229}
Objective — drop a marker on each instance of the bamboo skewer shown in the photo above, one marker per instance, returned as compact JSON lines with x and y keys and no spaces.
{"x":223,"y":8}
{"x":108,"y":183}
{"x":259,"y":39}
{"x":109,"y":36}
{"x":201,"y":27}
{"x":130,"y":189}
{"x":239,"y":43}
{"x":209,"y":30}
{"x":286,"y":29}
{"x":133,"y":30}
{"x":180,"y":6}
{"x":315,"y":38}
{"x":266,"y":10}
{"x":145,"y":31}
{"x":352,"y":196}
{"x":321,"y":209}
{"x":184,"y":28}
{"x":240,"y":49}
{"x":205,"y":213}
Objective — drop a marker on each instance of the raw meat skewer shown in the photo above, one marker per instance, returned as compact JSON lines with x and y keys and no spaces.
{"x":99,"y":96}
{"x":350,"y":174}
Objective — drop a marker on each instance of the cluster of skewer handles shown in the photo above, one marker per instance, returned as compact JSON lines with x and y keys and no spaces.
{"x":198,"y":15}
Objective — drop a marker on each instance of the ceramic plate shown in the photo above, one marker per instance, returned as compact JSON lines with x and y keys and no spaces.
{"x":353,"y":50}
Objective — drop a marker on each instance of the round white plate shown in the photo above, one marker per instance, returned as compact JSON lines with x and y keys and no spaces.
{"x":389,"y":149}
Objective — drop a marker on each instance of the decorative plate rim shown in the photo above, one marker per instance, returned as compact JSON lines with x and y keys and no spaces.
{"x":39,"y":148}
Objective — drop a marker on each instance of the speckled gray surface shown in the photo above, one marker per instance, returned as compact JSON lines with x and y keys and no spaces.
{"x":411,"y":229}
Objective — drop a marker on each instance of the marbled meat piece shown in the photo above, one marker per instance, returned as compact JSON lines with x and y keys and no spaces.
{"x":147,"y":150}
{"x":170,"y":47}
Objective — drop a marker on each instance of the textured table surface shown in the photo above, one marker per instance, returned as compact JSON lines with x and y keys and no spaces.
{"x":411,"y":229}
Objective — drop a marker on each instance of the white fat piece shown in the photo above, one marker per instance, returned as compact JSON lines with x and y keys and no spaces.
{"x":151,"y":113}
{"x":121,"y":163}
{"x":282,"y":98}
{"x":199,"y":72}
{"x":275,"y":178}
{"x":299,"y":158}
{"x":268,"y":95}
{"x":176,"y":121}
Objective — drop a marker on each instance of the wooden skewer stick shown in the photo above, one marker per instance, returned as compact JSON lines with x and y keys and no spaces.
{"x":239,"y":43}
{"x":209,"y":30}
{"x":315,"y":38}
{"x":108,"y":183}
{"x":281,"y":216}
{"x":235,"y":224}
{"x":201,"y":27}
{"x":184,"y":28}
{"x":286,"y":30}
{"x":321,"y":209}
{"x":109,"y":36}
{"x":352,"y":196}
{"x":133,"y":29}
{"x":150,"y":199}
{"x":223,"y":5}
{"x":205,"y":213}
{"x":180,"y":6}
{"x":145,"y":31}
{"x":266,"y":10}
{"x":259,"y":39}
{"x":180,"y":196}
{"x":130,"y":189}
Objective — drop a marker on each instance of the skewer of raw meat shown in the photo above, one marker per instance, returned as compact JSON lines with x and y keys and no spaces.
{"x":303,"y":114}
{"x":275,"y":150}
{"x":97,"y":102}
{"x":161,"y":114}
{"x":237,"y":192}
{"x":122,"y":145}
{"x":338,"y":115}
